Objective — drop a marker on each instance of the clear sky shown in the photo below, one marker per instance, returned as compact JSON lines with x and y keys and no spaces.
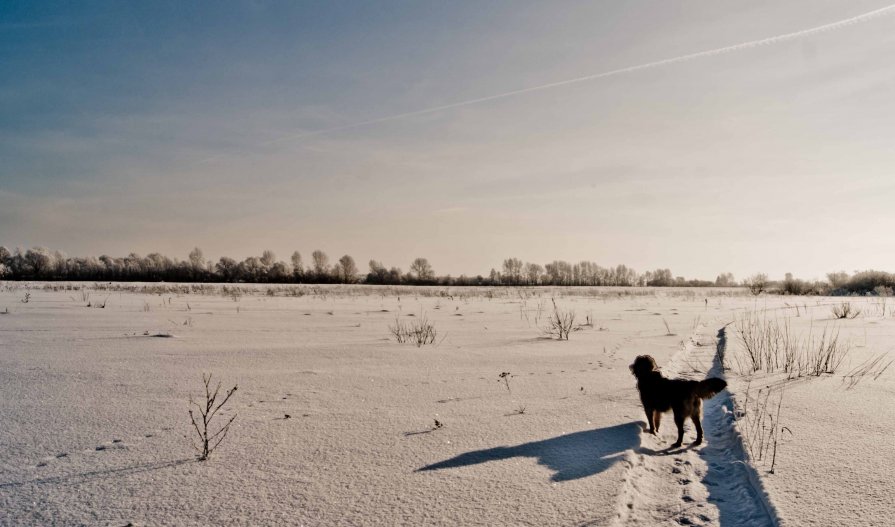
{"x":153,"y":126}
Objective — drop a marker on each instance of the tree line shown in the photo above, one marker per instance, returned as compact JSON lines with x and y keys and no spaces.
{"x":40,"y":263}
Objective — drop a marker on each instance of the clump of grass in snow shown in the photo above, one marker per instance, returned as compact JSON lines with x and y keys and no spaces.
{"x":845,"y":310}
{"x":419,"y":331}
{"x":770,"y":346}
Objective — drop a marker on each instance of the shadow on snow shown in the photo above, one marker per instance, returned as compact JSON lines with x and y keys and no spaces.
{"x":571,"y":456}
{"x":84,"y":477}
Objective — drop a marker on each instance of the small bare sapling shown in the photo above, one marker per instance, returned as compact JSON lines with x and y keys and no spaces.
{"x":207,"y":439}
{"x":560,"y":323}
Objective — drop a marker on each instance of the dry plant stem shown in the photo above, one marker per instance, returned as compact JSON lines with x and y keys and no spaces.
{"x":872,"y":367}
{"x":777,"y":430}
{"x":208,"y":441}
{"x":668,"y":332}
{"x":505,"y":376}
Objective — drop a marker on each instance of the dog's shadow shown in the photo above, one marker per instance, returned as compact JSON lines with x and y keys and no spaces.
{"x":571,"y":456}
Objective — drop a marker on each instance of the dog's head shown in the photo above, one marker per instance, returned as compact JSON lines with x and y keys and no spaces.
{"x":643,"y":365}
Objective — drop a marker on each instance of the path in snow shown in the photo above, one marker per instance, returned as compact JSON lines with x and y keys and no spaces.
{"x":707,"y":485}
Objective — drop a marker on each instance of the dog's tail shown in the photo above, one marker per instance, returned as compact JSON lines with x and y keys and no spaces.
{"x":709,"y":387}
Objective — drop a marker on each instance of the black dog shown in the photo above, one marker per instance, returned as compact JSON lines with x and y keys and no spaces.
{"x":683,"y":397}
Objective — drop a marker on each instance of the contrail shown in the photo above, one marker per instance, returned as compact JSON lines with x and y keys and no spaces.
{"x":586,"y":78}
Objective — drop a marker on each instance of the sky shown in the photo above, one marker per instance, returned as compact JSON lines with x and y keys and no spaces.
{"x":344,"y":126}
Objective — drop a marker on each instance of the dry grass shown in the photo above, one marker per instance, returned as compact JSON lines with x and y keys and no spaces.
{"x":758,"y":420}
{"x":770,"y":346}
{"x":845,"y":310}
{"x":872,"y":367}
{"x":419,"y":331}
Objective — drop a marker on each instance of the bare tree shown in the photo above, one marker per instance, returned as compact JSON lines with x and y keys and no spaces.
{"x":838,"y":279}
{"x":227,"y":268}
{"x":251,"y":269}
{"x":560,"y":323}
{"x":197,"y":259}
{"x":725,"y":280}
{"x":321,"y":262}
{"x":297,"y":265}
{"x":756,"y":283}
{"x":279,"y":272}
{"x":421,"y":269}
{"x":346,"y":269}
{"x":533,"y":273}
{"x":268,"y":258}
{"x":40,"y":260}
{"x":208,"y":440}
{"x":512,"y":271}
{"x":378,"y":273}
{"x":661,"y":278}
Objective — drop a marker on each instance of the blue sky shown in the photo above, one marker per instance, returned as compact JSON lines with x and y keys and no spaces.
{"x":151,"y":126}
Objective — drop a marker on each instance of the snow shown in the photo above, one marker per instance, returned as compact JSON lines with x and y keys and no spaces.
{"x":95,"y":421}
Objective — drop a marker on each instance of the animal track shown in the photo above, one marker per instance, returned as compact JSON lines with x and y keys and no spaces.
{"x":113,"y":444}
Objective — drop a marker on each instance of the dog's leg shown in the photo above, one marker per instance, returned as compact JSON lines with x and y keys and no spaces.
{"x":697,"y":423}
{"x":679,"y":421}
{"x":649,"y":420}
{"x":698,"y":426}
{"x":657,"y":417}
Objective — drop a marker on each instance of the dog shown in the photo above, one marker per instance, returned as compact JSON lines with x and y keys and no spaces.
{"x":683,"y":397}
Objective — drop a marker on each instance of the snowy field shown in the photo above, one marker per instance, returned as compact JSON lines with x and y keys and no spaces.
{"x":95,"y":431}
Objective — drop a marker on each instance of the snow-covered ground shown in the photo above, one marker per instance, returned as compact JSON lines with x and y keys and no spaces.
{"x":95,"y":431}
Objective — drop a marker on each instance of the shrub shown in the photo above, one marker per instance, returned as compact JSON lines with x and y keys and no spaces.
{"x":560,"y":323}
{"x":845,"y":310}
{"x":207,"y":440}
{"x":756,"y":283}
{"x":418,"y":332}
